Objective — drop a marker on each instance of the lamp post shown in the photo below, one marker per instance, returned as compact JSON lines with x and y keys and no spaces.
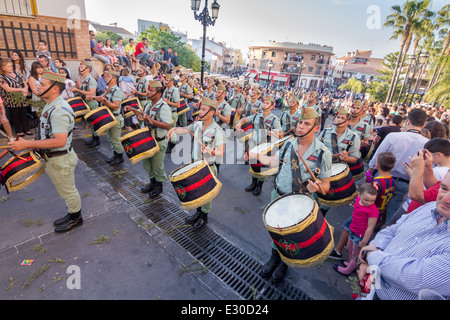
{"x":270,"y":64}
{"x":300,"y":66}
{"x":206,"y":20}
{"x":423,"y":58}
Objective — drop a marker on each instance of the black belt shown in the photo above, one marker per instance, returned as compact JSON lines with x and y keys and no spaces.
{"x":160,"y":139}
{"x":54,"y":154}
{"x":279,"y":192}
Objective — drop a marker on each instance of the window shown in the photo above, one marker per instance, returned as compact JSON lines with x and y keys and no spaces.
{"x":264,"y":54}
{"x":18,"y":7}
{"x":318,"y":70}
{"x":274,"y":54}
{"x":313,"y":57}
{"x":310,"y":69}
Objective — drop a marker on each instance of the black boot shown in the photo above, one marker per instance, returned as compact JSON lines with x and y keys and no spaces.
{"x":201,"y":221}
{"x":271,"y":265}
{"x":148,"y":188}
{"x":112,"y":158}
{"x":279,"y":272}
{"x":95,"y":142}
{"x":61,"y":221}
{"x":252,"y":186}
{"x":193,"y":219}
{"x":117,"y":160}
{"x":258,"y":188}
{"x":170,"y":147}
{"x":88,"y":142}
{"x":69,"y":222}
{"x":157,"y":190}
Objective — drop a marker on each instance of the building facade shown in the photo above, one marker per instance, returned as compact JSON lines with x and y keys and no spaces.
{"x":294,"y":64}
{"x":62,"y":25}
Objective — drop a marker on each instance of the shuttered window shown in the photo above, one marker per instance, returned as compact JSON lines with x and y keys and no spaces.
{"x":18,"y":7}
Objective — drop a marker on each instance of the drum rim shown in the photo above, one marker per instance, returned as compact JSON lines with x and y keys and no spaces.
{"x":342,"y":174}
{"x":265,"y":174}
{"x":106,"y":127}
{"x":188,"y":173}
{"x":133,"y":133}
{"x":296,"y":227}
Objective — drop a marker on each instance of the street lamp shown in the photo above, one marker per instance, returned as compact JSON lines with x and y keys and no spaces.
{"x":423,"y":58}
{"x":206,"y":20}
{"x":300,"y":66}
{"x":270,"y":64}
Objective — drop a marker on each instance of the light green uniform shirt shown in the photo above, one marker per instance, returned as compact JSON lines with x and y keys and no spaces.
{"x":237,"y":101}
{"x":212,"y":138}
{"x":160,"y":112}
{"x":271,"y":122}
{"x":348,"y":141}
{"x":115,"y":94}
{"x":225,"y":110}
{"x":59,"y":115}
{"x":173,"y":95}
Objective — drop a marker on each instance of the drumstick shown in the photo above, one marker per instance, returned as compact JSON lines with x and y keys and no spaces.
{"x":312,"y":175}
{"x":199,"y":141}
{"x":338,"y":154}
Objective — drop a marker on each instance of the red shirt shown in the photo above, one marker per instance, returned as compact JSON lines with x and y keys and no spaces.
{"x":360,"y":217}
{"x":139,"y":49}
{"x":429,"y":195}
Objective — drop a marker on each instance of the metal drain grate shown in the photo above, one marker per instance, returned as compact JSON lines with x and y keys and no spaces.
{"x":231,"y":265}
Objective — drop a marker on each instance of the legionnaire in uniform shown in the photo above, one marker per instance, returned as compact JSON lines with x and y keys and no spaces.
{"x":142,"y":85}
{"x":343,"y":143}
{"x":187,"y":94}
{"x":255,"y":102}
{"x":293,"y":176}
{"x":223,"y":109}
{"x":88,"y":88}
{"x":357,"y":124}
{"x":312,"y":102}
{"x":238,"y":100}
{"x":54,"y":141}
{"x":159,"y":122}
{"x":210,"y":92}
{"x":289,"y":118}
{"x":113,"y":100}
{"x":266,"y":127}
{"x":213,"y":138}
{"x":171,"y":96}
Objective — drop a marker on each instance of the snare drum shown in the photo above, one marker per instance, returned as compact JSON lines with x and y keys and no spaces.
{"x":357,"y":169}
{"x":299,"y":231}
{"x":184,"y":107}
{"x":101,"y":120}
{"x":195,"y":184}
{"x":259,"y":170}
{"x":366,"y":152}
{"x":133,"y":103}
{"x":79,"y":107}
{"x":342,"y":187}
{"x":247,"y":132}
{"x":235,"y":117}
{"x":22,"y":170}
{"x":139,"y":145}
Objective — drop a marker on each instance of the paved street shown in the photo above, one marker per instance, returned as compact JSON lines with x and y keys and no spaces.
{"x":136,"y":255}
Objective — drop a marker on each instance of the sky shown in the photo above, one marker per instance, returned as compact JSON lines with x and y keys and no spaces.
{"x":346,"y":25}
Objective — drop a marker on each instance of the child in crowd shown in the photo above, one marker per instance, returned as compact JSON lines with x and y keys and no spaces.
{"x":4,"y":121}
{"x":385,"y":189}
{"x":126,"y":83}
{"x":67,"y":94}
{"x":364,"y":219}
{"x":43,"y":51}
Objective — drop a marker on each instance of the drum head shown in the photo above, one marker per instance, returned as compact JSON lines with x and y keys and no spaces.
{"x":338,"y":168}
{"x":186,"y":168}
{"x":288,"y":211}
{"x":262,"y":147}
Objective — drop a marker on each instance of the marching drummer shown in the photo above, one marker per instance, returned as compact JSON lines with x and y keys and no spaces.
{"x":266,"y":127}
{"x":54,"y":141}
{"x":171,"y":96}
{"x":187,"y":94}
{"x":238,"y":100}
{"x":142,"y":85}
{"x":357,"y":124}
{"x":212,"y":150}
{"x":289,"y":118}
{"x":113,"y":100}
{"x":255,"y":102}
{"x":294,"y":177}
{"x":88,"y":88}
{"x":223,"y":109}
{"x":343,"y":143}
{"x":159,"y":121}
{"x":210,"y":92}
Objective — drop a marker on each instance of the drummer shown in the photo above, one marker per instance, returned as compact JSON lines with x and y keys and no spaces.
{"x":142,"y":85}
{"x":266,"y":128}
{"x":159,"y":122}
{"x":238,"y":100}
{"x":213,"y":149}
{"x":294,"y":177}
{"x":55,"y":143}
{"x":343,"y":143}
{"x":88,"y":87}
{"x":113,"y":100}
{"x":255,"y":102}
{"x":186,"y":94}
{"x":289,"y":118}
{"x":357,"y":124}
{"x":223,"y":110}
{"x":210,"y":92}
{"x":171,"y":96}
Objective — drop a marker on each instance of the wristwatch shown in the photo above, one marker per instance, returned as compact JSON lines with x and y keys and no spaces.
{"x":364,"y":255}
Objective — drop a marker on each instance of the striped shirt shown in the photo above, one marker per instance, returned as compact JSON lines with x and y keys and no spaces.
{"x":414,"y":255}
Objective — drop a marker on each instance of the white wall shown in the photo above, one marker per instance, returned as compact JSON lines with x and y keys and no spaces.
{"x":73,"y":9}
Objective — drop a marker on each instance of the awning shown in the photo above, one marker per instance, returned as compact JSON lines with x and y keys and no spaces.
{"x":252,"y":75}
{"x":282,"y":79}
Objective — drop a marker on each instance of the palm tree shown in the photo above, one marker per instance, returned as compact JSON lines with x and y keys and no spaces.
{"x":442,"y":21}
{"x":441,"y":90}
{"x":402,"y":19}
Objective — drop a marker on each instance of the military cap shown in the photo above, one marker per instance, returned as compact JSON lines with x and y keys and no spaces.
{"x":208,"y":102}
{"x":308,"y":113}
{"x":221,"y":87}
{"x":155,"y":84}
{"x":48,"y":75}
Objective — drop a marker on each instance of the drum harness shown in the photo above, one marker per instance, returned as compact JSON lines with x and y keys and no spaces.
{"x":297,"y":182}
{"x":334,"y":143}
{"x":152,"y":127}
{"x":47,"y":126}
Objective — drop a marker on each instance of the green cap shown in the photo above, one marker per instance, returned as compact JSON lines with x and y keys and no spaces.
{"x":308,"y":113}
{"x":208,"y":102}
{"x":53,"y":77}
{"x":155,"y":84}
